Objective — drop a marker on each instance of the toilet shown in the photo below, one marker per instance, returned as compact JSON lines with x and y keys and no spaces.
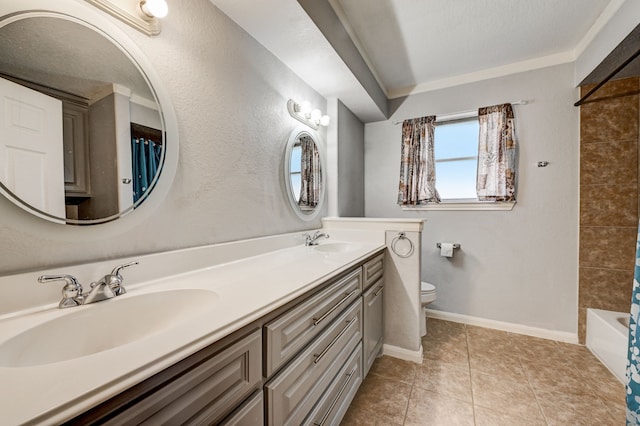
{"x":427,"y":295}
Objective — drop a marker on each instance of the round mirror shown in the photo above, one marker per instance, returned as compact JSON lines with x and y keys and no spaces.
{"x":83,"y":139}
{"x":304,"y":174}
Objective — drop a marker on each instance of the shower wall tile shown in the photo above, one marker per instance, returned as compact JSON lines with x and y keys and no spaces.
{"x":609,"y":136}
{"x":608,"y":247}
{"x":609,"y":163}
{"x":612,"y":113}
{"x":608,"y":289}
{"x":609,"y":205}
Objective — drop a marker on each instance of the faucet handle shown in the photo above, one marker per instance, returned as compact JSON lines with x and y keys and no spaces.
{"x":71,"y":292}
{"x":115,"y":279}
{"x":117,"y":269}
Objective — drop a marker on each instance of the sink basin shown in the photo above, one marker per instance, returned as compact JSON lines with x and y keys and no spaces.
{"x":335,"y":247}
{"x":102,"y":326}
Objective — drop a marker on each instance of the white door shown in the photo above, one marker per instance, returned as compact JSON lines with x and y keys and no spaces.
{"x":31,"y":150}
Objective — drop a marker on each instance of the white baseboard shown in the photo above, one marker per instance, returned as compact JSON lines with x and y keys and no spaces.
{"x":401,"y":353}
{"x":544,"y":333}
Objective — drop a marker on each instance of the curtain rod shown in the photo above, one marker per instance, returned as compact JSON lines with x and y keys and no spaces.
{"x":607,"y":78}
{"x":459,"y":115}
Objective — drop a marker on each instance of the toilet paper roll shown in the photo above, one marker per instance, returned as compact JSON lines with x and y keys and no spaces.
{"x":446,"y":249}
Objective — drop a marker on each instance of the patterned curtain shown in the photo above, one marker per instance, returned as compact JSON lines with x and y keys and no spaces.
{"x":311,"y":174}
{"x":417,"y":163}
{"x":496,"y":154}
{"x":145,"y":158}
{"x":633,"y":356}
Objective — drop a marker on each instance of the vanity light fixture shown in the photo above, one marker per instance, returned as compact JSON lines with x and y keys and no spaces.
{"x":306,"y":114}
{"x":140,"y":14}
{"x":153,"y":8}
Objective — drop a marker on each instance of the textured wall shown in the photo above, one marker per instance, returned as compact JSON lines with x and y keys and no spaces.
{"x":608,"y":196}
{"x":515,"y":266}
{"x":230,"y":97}
{"x":350,"y":164}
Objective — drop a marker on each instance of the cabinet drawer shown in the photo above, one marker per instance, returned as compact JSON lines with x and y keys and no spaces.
{"x":288,"y":334}
{"x":373,"y":332}
{"x":204,"y":394}
{"x":335,"y":402}
{"x":293,"y":393}
{"x":251,"y":413}
{"x":373,"y":270}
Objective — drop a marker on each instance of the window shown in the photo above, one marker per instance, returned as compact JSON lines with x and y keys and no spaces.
{"x":456,"y":155}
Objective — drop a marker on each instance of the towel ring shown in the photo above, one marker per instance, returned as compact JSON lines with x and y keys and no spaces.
{"x":402,"y":236}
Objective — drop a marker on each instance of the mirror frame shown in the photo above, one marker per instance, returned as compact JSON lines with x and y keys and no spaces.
{"x":293,"y":136}
{"x":83,"y":14}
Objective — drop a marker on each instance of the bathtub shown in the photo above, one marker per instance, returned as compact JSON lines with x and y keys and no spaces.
{"x":607,"y":338}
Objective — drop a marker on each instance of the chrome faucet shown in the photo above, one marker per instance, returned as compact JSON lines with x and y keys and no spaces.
{"x":107,"y":287}
{"x":71,"y":292}
{"x":313,"y":240}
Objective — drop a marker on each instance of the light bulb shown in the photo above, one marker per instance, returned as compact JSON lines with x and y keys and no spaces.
{"x":325,"y":120}
{"x":154,"y":8}
{"x":315,"y":115}
{"x":305,"y":108}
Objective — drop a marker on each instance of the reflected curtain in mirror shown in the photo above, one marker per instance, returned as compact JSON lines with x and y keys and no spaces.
{"x":496,"y":154}
{"x":145,"y":155}
{"x":417,"y":163}
{"x":311,"y":174}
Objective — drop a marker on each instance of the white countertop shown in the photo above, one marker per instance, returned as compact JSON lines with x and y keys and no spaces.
{"x":245,"y":290}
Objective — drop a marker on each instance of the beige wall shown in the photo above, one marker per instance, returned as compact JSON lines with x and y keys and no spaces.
{"x":608,"y":197}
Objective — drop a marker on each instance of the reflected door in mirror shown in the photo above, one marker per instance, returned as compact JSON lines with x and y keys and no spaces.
{"x":31,"y":148}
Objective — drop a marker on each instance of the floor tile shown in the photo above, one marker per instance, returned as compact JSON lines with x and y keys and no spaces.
{"x":394,"y":368}
{"x":444,"y":378}
{"x":382,"y":399}
{"x":514,"y":398}
{"x":472,"y":375}
{"x":428,"y":408}
{"x":487,"y":417}
{"x":561,"y":409}
{"x":453,"y":352}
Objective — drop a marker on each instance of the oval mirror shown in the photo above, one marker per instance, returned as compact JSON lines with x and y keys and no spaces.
{"x":304,"y":173}
{"x":83,"y":137}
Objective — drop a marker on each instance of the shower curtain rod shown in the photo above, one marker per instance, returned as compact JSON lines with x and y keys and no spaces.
{"x":607,"y":78}
{"x":456,"y":115}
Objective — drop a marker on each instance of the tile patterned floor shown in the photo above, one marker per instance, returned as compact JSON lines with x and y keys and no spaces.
{"x":482,"y":377}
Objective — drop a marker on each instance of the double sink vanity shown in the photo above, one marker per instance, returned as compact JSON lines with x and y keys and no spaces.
{"x":281,"y":337}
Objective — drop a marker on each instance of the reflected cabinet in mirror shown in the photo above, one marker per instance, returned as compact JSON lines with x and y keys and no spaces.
{"x":83,"y":137}
{"x":304,"y":174}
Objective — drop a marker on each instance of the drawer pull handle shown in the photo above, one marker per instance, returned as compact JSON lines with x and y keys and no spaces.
{"x":379,"y":291}
{"x":333,"y":342}
{"x":335,"y":401}
{"x":317,"y":321}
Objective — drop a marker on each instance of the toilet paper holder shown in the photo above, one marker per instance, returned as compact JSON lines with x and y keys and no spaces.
{"x":456,"y":246}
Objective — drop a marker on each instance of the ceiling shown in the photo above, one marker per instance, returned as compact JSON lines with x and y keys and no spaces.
{"x":54,"y":52}
{"x":413,"y":46}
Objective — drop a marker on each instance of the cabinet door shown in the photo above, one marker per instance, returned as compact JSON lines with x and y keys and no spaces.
{"x":76,"y":151}
{"x":373,"y":323}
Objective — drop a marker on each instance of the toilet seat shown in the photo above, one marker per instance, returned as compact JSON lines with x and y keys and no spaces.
{"x":427,"y":292}
{"x":426,"y":287}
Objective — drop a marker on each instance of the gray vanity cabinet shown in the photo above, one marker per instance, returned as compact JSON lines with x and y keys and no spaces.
{"x":288,"y":334}
{"x":300,"y":364}
{"x":334,"y":404}
{"x":202,"y":389}
{"x":293,"y":393}
{"x":372,"y":298}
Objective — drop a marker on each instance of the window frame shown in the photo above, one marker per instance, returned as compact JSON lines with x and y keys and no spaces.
{"x":457,"y":204}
